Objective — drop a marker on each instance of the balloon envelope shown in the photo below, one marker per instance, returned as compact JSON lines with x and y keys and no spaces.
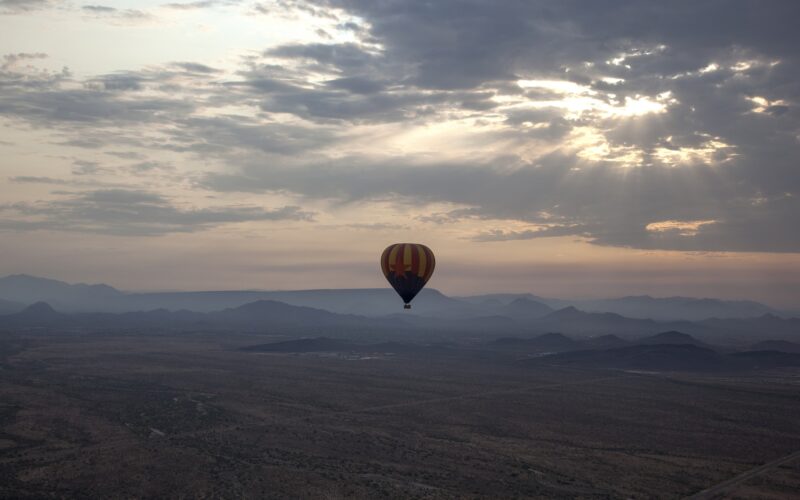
{"x":407,"y":267}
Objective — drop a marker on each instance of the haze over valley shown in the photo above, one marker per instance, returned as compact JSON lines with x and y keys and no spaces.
{"x":341,"y":392}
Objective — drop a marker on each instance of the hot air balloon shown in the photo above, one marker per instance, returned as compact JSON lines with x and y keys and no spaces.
{"x":407,"y":267}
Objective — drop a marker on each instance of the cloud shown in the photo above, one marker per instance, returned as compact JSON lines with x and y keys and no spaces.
{"x":193,"y":67}
{"x":88,"y":106}
{"x":149,"y":166}
{"x":601,"y":205}
{"x":85,"y":167}
{"x":530,"y":234}
{"x":133,"y":213}
{"x":356,"y":85}
{"x":191,"y":5}
{"x":600,"y":121}
{"x":99,"y":9}
{"x":30,"y":179}
{"x":18,"y":72}
{"x":118,"y":16}
{"x":202,"y":4}
{"x":22,"y":6}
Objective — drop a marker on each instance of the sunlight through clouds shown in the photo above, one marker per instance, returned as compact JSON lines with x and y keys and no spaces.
{"x":473,"y":123}
{"x":682,"y":228}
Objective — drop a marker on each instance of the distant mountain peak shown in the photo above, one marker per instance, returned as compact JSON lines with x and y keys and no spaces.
{"x":40,"y":309}
{"x":28,"y":278}
{"x":567,"y":312}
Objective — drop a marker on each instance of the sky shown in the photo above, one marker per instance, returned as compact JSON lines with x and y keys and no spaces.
{"x":569,"y":149}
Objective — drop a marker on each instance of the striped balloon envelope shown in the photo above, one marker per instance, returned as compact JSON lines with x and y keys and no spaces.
{"x":407,"y":267}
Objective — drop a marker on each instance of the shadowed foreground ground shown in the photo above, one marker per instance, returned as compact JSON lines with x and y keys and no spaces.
{"x":191,"y":416}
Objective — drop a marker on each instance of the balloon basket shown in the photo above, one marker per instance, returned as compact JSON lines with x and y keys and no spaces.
{"x":407,"y":306}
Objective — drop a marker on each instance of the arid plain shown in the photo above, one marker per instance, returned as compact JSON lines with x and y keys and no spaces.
{"x":192,"y":415}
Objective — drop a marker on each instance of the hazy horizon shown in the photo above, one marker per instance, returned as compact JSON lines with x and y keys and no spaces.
{"x":577,"y":149}
{"x":788,"y":308}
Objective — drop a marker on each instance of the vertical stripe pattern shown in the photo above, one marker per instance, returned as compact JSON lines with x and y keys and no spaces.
{"x":408,"y":257}
{"x":407,"y":267}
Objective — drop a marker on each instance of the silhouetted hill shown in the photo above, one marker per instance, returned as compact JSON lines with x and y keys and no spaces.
{"x":274,"y":311}
{"x":672,"y":357}
{"x":569,"y":313}
{"x":671,"y":337}
{"x":675,"y":308}
{"x":27,"y":289}
{"x":39,"y":310}
{"x":549,"y":342}
{"x":40,"y":314}
{"x":644,"y":306}
{"x":65,"y":297}
{"x":362,"y":302}
{"x":525,"y":308}
{"x":496,"y":314}
{"x":501,"y":299}
{"x":776,"y":345}
{"x":260,"y":315}
{"x":766,"y":326}
{"x":572,"y":321}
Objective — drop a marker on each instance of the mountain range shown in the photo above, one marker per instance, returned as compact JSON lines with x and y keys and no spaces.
{"x":604,"y":330}
{"x":17,"y":291}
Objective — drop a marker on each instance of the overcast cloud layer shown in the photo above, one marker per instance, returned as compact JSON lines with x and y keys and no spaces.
{"x":622,"y":123}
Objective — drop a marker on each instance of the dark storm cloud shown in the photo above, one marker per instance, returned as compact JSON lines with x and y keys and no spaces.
{"x":132,"y":213}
